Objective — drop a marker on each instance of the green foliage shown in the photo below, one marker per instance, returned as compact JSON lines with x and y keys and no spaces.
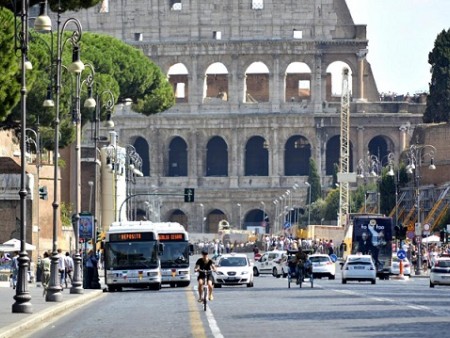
{"x":66,"y":214}
{"x":331,"y":205}
{"x":314,"y":181}
{"x":438,"y":101}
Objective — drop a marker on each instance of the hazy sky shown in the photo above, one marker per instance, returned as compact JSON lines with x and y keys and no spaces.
{"x":401,"y":33}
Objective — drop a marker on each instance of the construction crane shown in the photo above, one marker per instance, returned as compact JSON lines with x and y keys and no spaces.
{"x":344,"y":176}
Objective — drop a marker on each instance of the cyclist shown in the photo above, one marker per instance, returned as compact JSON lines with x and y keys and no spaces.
{"x":299,"y":261}
{"x":204,"y":263}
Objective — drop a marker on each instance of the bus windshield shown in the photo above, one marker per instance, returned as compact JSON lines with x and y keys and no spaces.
{"x":131,"y":255}
{"x":176,"y":254}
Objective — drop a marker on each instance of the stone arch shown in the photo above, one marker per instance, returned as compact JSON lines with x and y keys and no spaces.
{"x":179,"y":216}
{"x":253,"y":220}
{"x":256,"y":157}
{"x":257,"y":87}
{"x":216,"y":82}
{"x":141,"y":215}
{"x":178,"y":76}
{"x":178,"y":157}
{"x":142,"y":148}
{"x":297,"y":152}
{"x":334,"y":80}
{"x":212,"y":220}
{"x":381,"y":146}
{"x":332,"y":155}
{"x":297,"y":82}
{"x":216,"y":157}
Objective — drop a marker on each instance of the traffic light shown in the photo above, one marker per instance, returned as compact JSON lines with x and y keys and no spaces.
{"x":400,"y":232}
{"x":43,"y":193}
{"x":189,"y":194}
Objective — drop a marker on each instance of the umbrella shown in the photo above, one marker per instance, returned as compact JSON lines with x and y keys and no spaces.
{"x":14,"y":245}
{"x":432,"y":239}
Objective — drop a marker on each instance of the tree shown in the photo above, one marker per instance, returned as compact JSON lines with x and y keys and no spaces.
{"x":314,"y":181}
{"x":65,"y":5}
{"x":438,"y":101}
{"x":120,"y":68}
{"x":331,"y":205}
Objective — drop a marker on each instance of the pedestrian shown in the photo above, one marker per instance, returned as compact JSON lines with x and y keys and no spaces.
{"x":45,"y":269}
{"x":14,"y":268}
{"x":91,"y":267}
{"x":61,"y":269}
{"x":68,"y":265}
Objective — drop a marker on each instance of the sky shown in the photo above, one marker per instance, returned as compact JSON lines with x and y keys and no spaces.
{"x":401,"y":33}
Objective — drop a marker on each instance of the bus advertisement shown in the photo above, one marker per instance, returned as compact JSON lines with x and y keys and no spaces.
{"x":175,"y":259}
{"x":132,"y":256}
{"x":372,"y":234}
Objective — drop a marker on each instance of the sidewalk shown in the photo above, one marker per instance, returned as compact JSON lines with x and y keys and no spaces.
{"x":11,"y":324}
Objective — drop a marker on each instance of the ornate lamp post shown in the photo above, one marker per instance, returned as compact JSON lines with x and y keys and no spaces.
{"x":417,"y":155}
{"x":22,"y":298}
{"x":43,"y":23}
{"x":239,"y":219}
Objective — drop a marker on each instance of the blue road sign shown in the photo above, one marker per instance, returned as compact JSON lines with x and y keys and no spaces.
{"x":401,"y":254}
{"x":333,"y":257}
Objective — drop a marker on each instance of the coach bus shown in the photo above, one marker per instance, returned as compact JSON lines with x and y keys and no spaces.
{"x":177,"y":250}
{"x":132,"y":256}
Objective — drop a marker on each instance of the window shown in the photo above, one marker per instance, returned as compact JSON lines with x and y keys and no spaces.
{"x":297,"y":34}
{"x":217,"y":35}
{"x":257,"y":4}
{"x":175,"y":5}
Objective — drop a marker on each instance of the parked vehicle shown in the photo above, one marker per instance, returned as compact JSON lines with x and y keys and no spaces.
{"x":395,"y":266}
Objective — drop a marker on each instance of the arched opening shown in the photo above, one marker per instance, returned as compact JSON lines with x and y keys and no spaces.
{"x":180,"y":217}
{"x":297,"y":82}
{"x":178,"y":158}
{"x":380,"y":147}
{"x":256,"y":157}
{"x":142,"y":148}
{"x":334,"y":80}
{"x":216,"y":157}
{"x":212,"y":220}
{"x":333,"y":155}
{"x":297,"y":153}
{"x":257,"y":83}
{"x":216,"y":82}
{"x":178,"y":78}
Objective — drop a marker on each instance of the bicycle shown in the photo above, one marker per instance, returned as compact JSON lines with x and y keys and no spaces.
{"x":206,"y":273}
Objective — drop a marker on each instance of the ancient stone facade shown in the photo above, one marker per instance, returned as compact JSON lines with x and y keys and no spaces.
{"x":257,"y":88}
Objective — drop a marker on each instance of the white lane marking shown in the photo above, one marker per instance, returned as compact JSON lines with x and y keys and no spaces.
{"x":213,"y":324}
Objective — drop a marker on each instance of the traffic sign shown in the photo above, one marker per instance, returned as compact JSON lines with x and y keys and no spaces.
{"x":333,"y":257}
{"x":426,"y":227}
{"x":401,"y":254}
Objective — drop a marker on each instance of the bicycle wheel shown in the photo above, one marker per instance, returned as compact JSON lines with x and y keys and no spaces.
{"x":289,"y":281}
{"x":205,"y":295}
{"x":300,"y":279}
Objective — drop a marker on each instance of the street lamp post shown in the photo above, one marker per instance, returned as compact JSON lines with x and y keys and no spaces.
{"x":202,"y":223}
{"x":416,"y":156}
{"x":264,"y":214}
{"x":43,"y":23}
{"x":275,"y":226}
{"x":239,"y":220}
{"x":23,"y":298}
{"x":309,"y":203}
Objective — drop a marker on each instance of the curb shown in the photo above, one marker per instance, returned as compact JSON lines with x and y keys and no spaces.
{"x":14,"y":329}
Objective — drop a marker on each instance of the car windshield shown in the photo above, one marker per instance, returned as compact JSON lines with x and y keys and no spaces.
{"x":319,"y":259}
{"x":233,"y":261}
{"x":444,"y":264}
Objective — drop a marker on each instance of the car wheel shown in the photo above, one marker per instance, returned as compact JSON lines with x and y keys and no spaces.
{"x":332,"y":277}
{"x":284,"y":274}
{"x":374,"y":281}
{"x":275,"y":273}
{"x":250,"y":285}
{"x":255,"y":272}
{"x":218,"y":286}
{"x":344,"y":281}
{"x":431,"y":285}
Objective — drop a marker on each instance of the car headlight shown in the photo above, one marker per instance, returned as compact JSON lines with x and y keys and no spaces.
{"x":220,"y":273}
{"x":245,"y":273}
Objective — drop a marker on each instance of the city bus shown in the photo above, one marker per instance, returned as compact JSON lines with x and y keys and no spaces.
{"x":372,"y":234}
{"x":177,"y":250}
{"x":132,"y":256}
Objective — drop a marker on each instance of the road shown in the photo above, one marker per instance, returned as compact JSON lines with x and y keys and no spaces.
{"x":393,"y":308}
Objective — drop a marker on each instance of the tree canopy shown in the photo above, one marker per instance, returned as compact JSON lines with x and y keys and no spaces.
{"x":438,"y":102}
{"x":119,"y":68}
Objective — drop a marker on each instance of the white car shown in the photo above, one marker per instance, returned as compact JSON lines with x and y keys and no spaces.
{"x":271,"y":262}
{"x":322,"y":266}
{"x":440,"y":272}
{"x":233,"y":269}
{"x":395,"y":266}
{"x":359,"y":268}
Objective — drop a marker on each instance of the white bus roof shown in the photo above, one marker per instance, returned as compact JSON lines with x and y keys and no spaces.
{"x":130,"y":226}
{"x":169,"y":227}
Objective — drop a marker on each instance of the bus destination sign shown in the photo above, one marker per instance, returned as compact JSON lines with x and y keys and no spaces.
{"x":171,"y":237}
{"x":131,"y":237}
